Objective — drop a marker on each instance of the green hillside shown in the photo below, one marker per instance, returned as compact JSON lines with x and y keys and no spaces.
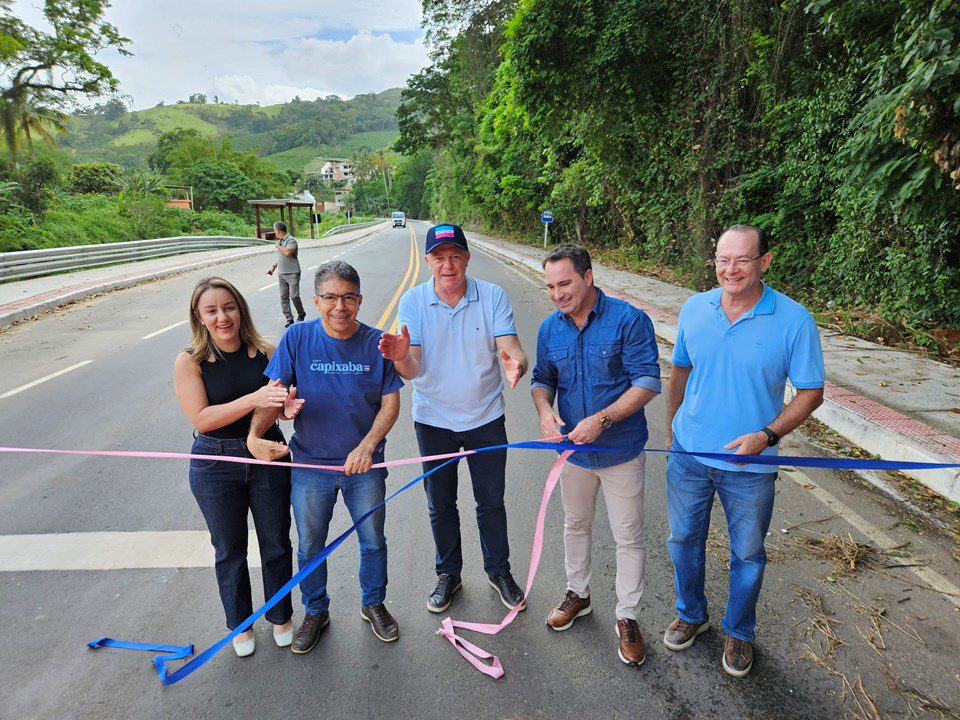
{"x":292,"y":135}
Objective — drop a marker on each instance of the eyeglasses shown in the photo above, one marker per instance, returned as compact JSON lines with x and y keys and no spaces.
{"x":329,"y":299}
{"x":738,"y":263}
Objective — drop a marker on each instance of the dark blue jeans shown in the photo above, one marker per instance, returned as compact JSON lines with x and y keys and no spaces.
{"x":226,"y":492}
{"x":314,"y":495}
{"x":747,"y":500}
{"x":488,"y":475}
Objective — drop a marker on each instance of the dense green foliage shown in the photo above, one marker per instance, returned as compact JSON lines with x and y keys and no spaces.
{"x":650,"y":125}
{"x":94,"y":177}
{"x":92,"y":219}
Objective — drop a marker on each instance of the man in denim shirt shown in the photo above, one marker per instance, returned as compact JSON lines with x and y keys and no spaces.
{"x":598,"y":356}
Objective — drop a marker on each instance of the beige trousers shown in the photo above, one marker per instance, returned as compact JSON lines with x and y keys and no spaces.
{"x":623,"y":495}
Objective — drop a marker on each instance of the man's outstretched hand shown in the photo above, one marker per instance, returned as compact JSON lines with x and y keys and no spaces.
{"x":395,"y":347}
{"x":513,"y":368}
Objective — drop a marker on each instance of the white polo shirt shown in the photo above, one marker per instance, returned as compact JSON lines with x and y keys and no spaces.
{"x":459,"y":386}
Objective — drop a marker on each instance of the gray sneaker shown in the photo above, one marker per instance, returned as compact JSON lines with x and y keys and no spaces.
{"x":681,"y":634}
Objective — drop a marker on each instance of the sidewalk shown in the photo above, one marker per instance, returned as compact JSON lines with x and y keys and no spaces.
{"x":892,"y":403}
{"x":27,"y":298}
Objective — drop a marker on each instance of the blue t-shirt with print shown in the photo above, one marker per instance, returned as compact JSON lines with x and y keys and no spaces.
{"x":343,"y":383}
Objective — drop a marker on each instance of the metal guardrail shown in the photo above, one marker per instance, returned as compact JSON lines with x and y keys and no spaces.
{"x":35,"y":263}
{"x":352,"y":226}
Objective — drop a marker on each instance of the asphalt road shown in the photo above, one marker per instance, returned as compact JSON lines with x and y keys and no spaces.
{"x":122,"y":399}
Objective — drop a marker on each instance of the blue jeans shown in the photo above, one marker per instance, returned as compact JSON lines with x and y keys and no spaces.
{"x":226,"y":493}
{"x":488,"y":474}
{"x":747,"y":500}
{"x":313,"y":495}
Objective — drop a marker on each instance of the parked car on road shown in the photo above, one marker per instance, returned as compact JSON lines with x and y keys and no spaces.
{"x":399,"y":219}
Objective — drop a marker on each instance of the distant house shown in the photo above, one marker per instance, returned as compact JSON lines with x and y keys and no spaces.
{"x":337,"y":170}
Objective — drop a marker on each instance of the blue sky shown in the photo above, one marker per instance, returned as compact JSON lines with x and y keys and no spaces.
{"x":254,"y":51}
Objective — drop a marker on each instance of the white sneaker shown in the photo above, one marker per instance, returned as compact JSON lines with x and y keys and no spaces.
{"x":244,"y":648}
{"x":283,"y":639}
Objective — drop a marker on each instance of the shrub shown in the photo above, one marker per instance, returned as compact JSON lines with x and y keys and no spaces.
{"x":94,"y":177}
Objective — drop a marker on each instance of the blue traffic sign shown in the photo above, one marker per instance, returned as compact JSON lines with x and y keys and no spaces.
{"x":546,"y":216}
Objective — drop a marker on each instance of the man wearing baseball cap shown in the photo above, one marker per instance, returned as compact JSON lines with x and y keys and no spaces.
{"x":454,"y":329}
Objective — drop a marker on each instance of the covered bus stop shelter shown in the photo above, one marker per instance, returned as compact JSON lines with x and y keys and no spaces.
{"x":284,"y":205}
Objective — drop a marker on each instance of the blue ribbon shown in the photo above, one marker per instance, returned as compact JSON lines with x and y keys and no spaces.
{"x":180,"y":652}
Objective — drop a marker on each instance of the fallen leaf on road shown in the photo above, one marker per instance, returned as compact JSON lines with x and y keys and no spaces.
{"x":809,"y":487}
{"x":883,"y":383}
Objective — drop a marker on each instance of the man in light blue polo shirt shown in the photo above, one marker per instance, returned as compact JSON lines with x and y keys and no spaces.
{"x":455,"y":331}
{"x":736,"y":347}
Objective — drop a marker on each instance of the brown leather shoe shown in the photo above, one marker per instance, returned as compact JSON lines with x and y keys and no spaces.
{"x":737,"y":656}
{"x":631,"y":650}
{"x":381,"y":621}
{"x":308,"y":634}
{"x":569,"y":609}
{"x":681,"y":634}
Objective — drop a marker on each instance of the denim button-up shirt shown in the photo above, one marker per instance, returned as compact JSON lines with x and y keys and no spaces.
{"x":589,"y":368}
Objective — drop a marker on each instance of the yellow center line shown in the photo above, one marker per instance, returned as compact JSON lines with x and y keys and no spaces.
{"x":416,"y":274}
{"x":411,"y":264}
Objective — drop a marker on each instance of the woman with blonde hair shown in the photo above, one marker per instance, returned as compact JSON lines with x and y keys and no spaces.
{"x":219,"y":382}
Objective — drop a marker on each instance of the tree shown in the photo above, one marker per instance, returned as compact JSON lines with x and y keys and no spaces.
{"x":222,"y":184}
{"x":51,"y":70}
{"x":159,"y":160}
{"x":94,"y":177}
{"x":138,"y":182}
{"x":26,"y":118}
{"x":198,"y":99}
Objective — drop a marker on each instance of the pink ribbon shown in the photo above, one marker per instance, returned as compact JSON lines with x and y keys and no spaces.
{"x":226,"y":458}
{"x":483,"y":661}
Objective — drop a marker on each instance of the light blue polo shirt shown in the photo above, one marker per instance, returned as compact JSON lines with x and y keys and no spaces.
{"x":459,"y":386}
{"x":740,"y":370}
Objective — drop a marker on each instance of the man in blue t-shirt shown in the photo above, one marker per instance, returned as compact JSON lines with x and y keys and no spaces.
{"x":349,"y":400}
{"x":736,"y":347}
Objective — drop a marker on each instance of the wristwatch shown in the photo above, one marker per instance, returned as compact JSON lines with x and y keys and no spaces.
{"x":605,"y":422}
{"x":772,"y":437}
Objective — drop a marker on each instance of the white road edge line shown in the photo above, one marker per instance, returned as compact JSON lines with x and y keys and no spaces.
{"x":163,"y":330}
{"x":58,"y":373}
{"x":265,"y":287}
{"x":871,"y":531}
{"x":111,"y":551}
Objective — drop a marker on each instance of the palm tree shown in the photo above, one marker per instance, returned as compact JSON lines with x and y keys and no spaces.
{"x":138,"y":182}
{"x":382,"y":165}
{"x":24,"y":117}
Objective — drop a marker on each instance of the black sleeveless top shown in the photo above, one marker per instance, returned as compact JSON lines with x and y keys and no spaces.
{"x":234,"y":375}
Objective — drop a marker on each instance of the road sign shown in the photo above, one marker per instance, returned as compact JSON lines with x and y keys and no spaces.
{"x":546,"y":217}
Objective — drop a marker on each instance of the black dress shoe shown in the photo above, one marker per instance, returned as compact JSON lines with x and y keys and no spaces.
{"x":301,"y":318}
{"x":442,"y":594}
{"x":309,"y":632}
{"x":381,"y":621}
{"x":288,"y":323}
{"x":510,"y":593}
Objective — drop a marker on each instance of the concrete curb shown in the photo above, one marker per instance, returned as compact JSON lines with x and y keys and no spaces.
{"x":46,"y":302}
{"x":855,"y":417}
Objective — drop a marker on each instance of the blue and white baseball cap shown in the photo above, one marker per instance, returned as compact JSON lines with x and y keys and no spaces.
{"x":443,"y":234}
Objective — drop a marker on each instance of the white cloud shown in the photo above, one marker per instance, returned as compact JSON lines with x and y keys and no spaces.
{"x":249,"y":50}
{"x":245,"y":90}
